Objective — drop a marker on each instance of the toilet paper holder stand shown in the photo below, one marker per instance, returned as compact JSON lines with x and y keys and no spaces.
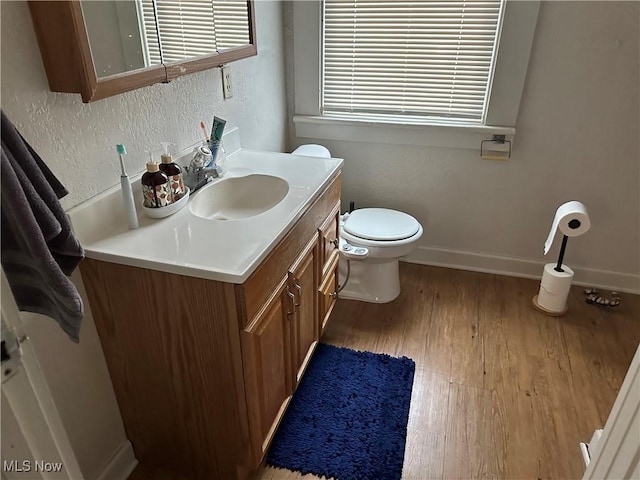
{"x":573,"y":224}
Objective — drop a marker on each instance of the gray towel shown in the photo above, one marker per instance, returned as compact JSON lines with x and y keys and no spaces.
{"x":39,"y":249}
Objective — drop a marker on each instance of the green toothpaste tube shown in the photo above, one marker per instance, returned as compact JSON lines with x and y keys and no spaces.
{"x":217,"y":128}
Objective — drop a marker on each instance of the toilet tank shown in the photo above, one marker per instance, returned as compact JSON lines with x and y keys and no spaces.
{"x":312,"y":150}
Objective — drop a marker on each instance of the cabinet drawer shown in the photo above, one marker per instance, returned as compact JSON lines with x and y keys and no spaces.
{"x":328,"y":292}
{"x":329,"y":239}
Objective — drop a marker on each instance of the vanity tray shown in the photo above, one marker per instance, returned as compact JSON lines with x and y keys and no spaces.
{"x":163,"y":212}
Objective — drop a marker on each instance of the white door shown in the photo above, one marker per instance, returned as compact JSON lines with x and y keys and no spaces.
{"x":34,"y":442}
{"x":616,"y":454}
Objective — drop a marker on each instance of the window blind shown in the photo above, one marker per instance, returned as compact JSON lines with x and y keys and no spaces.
{"x":412,"y":60}
{"x":191,"y":28}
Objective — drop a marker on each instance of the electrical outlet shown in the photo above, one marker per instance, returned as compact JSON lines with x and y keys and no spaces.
{"x":227,"y":91}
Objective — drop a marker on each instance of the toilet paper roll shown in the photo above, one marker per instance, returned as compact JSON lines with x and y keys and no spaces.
{"x":572,"y":218}
{"x":554,"y":288}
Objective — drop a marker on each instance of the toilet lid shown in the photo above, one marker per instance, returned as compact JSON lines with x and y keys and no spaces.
{"x":380,"y":224}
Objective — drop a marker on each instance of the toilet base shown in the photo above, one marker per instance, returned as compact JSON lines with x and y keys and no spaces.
{"x":370,"y":281}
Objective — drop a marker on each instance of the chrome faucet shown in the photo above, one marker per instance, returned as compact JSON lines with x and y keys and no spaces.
{"x":197,"y":177}
{"x":200,"y":170}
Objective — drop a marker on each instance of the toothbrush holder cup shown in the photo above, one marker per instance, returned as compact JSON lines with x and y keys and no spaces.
{"x":214,"y":146}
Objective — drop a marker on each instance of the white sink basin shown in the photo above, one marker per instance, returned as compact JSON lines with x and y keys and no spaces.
{"x":239,"y":197}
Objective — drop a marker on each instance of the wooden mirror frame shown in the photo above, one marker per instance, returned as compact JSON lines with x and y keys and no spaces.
{"x":66,"y":54}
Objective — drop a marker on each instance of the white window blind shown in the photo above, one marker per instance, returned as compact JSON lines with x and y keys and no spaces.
{"x":192,"y":28}
{"x":411,"y":60}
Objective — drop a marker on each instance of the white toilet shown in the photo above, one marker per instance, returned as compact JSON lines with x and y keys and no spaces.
{"x":371,"y":242}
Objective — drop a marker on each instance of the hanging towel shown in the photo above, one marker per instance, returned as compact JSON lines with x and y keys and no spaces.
{"x":39,"y":249}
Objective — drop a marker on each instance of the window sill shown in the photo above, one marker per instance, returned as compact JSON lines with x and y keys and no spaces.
{"x":429,"y":135}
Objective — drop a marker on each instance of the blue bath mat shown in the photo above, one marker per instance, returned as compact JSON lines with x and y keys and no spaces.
{"x":348,"y":417}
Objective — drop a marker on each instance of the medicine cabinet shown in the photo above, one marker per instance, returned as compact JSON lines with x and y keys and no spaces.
{"x":100,"y":48}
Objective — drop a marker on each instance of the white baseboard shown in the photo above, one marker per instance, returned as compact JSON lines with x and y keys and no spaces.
{"x":520,"y":267}
{"x":121,"y":464}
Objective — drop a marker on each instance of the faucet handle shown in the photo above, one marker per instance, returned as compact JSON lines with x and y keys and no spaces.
{"x":201,"y":157}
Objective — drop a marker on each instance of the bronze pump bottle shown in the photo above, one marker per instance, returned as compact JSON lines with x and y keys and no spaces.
{"x":173,"y":171}
{"x":156,"y":189}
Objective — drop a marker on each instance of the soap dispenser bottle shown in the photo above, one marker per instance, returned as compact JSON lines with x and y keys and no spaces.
{"x":174,"y":173}
{"x":155,"y":187}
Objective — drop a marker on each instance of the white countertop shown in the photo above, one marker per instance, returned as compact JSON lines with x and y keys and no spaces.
{"x":183,"y":243}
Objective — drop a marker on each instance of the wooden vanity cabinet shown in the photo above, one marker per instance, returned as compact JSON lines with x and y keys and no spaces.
{"x":204,"y":370}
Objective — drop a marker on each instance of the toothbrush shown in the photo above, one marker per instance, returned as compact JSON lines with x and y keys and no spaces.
{"x":127,"y":193}
{"x":204,"y":130}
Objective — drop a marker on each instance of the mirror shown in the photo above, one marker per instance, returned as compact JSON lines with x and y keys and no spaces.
{"x":127,"y":35}
{"x":103,"y":48}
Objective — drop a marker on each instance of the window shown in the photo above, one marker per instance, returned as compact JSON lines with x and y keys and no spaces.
{"x":175,"y":30}
{"x":441,"y":73}
{"x":412,"y":60}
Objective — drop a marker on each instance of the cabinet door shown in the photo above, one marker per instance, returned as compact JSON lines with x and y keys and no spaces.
{"x":328,"y":293}
{"x":303,"y":280}
{"x":266,"y":354}
{"x":329,"y":240}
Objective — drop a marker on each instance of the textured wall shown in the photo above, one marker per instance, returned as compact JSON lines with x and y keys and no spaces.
{"x":577,"y":138}
{"x":78,"y":140}
{"x":78,"y":143}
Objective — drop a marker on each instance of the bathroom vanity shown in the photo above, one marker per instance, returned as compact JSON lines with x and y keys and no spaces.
{"x":207,"y":325}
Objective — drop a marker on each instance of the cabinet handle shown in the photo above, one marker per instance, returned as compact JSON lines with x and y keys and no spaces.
{"x":299,"y":288}
{"x":333,"y":294}
{"x":334,"y":242}
{"x":293,"y":301}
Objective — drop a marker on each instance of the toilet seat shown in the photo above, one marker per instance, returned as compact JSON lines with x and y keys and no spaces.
{"x":380,"y":225}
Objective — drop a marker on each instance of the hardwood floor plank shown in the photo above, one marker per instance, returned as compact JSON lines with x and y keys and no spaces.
{"x":424,"y":454}
{"x":475,"y":435}
{"x":418,"y":321}
{"x":429,"y":402}
{"x":557,"y":433}
{"x":460,"y":313}
{"x":595,"y":399}
{"x":522,"y":451}
{"x":494,"y":311}
{"x":452,"y":325}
